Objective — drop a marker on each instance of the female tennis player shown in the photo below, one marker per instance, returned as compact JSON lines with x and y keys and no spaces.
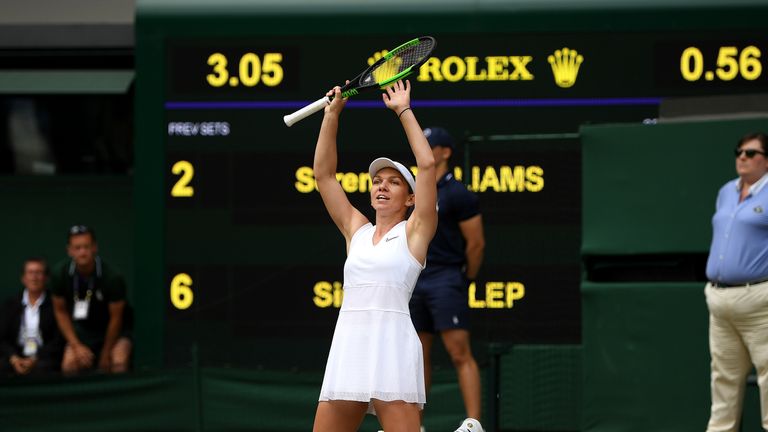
{"x":375,"y":364}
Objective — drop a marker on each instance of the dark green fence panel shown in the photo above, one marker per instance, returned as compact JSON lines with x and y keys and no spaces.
{"x":652,"y":188}
{"x":133,"y":402}
{"x":191,"y":400}
{"x":540,"y":388}
{"x":646,"y":361}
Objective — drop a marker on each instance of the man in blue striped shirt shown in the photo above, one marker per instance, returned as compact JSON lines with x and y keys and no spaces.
{"x":737,"y":292}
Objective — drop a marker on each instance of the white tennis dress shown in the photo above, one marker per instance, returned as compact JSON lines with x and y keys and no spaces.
{"x":376,"y":353}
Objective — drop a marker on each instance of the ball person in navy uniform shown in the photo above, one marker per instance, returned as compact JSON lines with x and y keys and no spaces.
{"x":737,"y":292}
{"x":439,"y":303}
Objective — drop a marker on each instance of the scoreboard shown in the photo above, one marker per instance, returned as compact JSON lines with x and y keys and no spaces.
{"x":244,"y":267}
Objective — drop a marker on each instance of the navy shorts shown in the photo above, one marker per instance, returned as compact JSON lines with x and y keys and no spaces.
{"x":439,"y":300}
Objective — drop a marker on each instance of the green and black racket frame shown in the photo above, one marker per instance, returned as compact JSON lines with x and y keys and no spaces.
{"x":391,"y":67}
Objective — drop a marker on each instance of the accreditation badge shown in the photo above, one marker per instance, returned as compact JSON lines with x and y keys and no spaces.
{"x":30,"y":346}
{"x":81,"y":309}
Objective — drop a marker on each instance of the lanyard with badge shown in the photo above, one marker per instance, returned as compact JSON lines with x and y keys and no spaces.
{"x":31,"y":339}
{"x":81,"y":305}
{"x":80,"y":311}
{"x":30,"y":336}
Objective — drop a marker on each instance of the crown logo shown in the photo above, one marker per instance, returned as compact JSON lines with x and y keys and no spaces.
{"x":565,"y":66}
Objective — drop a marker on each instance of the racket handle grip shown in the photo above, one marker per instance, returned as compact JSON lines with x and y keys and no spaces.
{"x":307,"y":111}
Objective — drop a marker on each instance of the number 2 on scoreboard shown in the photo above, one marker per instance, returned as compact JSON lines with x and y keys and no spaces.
{"x":182,"y":188}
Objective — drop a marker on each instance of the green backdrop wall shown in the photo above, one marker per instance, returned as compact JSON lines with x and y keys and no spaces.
{"x":648,"y":196}
{"x":38,"y":210}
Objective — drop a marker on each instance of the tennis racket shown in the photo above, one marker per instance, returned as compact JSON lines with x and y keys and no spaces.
{"x":393,"y":66}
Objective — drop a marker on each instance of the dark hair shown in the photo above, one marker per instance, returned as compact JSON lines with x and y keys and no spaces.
{"x":763,"y":138}
{"x":37,"y":260}
{"x":78,"y":230}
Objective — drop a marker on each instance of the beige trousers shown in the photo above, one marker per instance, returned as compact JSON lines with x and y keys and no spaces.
{"x":738,"y":339}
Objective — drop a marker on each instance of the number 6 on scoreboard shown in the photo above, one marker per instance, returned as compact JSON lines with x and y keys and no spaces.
{"x":181,"y":291}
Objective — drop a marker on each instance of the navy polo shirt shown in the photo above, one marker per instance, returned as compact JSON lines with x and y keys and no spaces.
{"x":455,"y":203}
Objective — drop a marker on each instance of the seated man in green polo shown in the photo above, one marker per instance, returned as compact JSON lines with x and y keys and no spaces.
{"x":90,"y":306}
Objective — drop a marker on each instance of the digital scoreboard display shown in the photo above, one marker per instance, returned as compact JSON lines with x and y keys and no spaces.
{"x":252,"y":263}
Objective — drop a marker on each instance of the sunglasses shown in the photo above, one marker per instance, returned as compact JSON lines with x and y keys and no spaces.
{"x":79,"y":229}
{"x":750,"y":153}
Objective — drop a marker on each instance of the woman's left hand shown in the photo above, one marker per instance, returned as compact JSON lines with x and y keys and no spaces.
{"x":398,"y":96}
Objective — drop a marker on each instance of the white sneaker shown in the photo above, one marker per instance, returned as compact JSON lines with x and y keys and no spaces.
{"x":470,"y":425}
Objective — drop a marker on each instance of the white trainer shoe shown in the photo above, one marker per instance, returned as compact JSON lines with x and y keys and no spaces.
{"x":470,"y":425}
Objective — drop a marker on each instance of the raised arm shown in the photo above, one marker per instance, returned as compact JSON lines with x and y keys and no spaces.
{"x":346,"y":217}
{"x":423,"y":221}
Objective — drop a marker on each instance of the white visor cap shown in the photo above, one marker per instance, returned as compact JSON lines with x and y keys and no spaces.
{"x":382,"y":162}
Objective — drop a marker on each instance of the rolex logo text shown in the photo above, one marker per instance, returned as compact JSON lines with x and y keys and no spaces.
{"x":471,"y":68}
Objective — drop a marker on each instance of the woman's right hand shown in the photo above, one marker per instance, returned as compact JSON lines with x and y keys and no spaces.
{"x":337,"y":103}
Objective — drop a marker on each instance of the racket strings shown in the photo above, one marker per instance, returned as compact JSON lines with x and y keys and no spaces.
{"x":402,"y":60}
